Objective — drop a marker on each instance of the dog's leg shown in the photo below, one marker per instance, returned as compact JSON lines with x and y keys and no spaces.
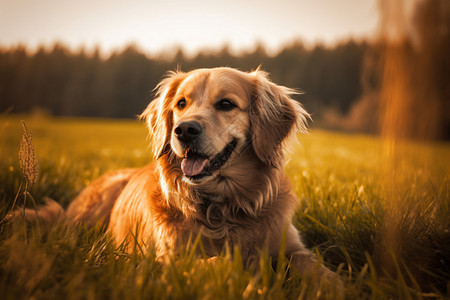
{"x":306,"y":263}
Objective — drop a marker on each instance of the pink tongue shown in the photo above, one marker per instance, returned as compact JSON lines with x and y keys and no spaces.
{"x":193,"y":166}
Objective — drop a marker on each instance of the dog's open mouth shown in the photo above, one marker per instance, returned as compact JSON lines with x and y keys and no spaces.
{"x":196,"y":165}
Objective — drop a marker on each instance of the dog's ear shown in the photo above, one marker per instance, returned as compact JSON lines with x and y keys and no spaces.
{"x":159,"y":115}
{"x":274,"y":115}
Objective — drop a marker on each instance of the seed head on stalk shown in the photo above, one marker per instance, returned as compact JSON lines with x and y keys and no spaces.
{"x":27,"y":157}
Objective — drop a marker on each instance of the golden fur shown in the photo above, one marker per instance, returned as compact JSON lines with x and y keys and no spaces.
{"x":246,"y":201}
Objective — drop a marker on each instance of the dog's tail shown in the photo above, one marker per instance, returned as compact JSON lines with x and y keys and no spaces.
{"x":50,"y":212}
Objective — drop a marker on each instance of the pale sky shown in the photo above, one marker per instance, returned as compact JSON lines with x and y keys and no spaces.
{"x":192,"y":24}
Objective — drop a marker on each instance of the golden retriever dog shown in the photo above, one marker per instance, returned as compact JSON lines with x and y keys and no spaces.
{"x":218,"y":137}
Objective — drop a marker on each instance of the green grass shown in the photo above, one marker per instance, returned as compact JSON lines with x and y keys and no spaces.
{"x":379,"y":217}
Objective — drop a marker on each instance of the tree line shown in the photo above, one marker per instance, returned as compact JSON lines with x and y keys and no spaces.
{"x":65,"y":83}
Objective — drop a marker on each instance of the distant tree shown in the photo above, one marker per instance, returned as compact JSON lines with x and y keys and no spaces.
{"x":432,"y":60}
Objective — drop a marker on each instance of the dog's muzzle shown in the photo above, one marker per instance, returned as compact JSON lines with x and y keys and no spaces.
{"x":196,"y":164}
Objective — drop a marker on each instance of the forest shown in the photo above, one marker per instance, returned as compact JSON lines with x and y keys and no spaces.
{"x":77,"y":84}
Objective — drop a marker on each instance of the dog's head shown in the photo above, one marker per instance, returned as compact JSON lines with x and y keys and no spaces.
{"x":209,"y":117}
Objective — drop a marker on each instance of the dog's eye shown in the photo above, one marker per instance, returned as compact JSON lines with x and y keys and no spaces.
{"x":225,"y":105}
{"x":181,"y":103}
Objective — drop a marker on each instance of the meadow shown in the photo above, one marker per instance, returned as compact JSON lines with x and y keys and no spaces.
{"x":375,"y":211}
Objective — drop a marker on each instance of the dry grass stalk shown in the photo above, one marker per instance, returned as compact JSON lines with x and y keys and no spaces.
{"x":27,"y":157}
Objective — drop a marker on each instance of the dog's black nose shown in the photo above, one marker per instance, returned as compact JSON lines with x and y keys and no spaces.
{"x":188,"y":130}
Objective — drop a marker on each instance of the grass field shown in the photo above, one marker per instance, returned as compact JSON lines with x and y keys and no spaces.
{"x":377,"y":212}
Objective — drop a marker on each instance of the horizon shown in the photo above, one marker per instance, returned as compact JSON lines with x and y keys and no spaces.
{"x":170,"y":52}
